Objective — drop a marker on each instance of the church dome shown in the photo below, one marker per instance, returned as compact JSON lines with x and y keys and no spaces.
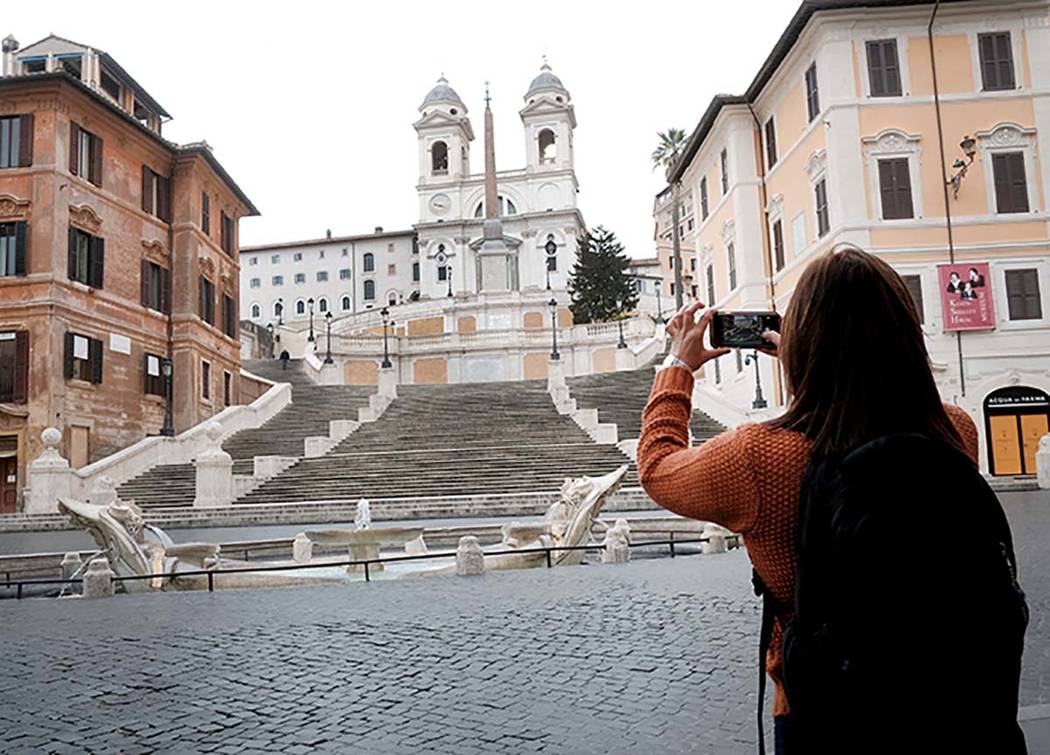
{"x":442,"y":92}
{"x":546,"y":80}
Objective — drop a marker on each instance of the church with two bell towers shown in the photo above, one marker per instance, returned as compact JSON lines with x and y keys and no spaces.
{"x":497,"y":230}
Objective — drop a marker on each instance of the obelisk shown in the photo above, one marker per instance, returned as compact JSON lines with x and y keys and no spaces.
{"x":493,"y":255}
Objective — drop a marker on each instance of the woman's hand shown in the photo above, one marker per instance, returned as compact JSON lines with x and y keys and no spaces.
{"x":687,"y":336}
{"x":774,"y":338}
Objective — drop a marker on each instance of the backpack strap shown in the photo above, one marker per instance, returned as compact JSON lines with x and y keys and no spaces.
{"x":770,"y":610}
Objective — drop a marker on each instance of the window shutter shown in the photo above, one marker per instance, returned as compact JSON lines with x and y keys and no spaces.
{"x":96,"y":160}
{"x":72,"y":253}
{"x":25,"y":144}
{"x":144,"y":286}
{"x":205,"y":214}
{"x":95,"y":352}
{"x":902,"y":179}
{"x":989,"y":67}
{"x":21,"y":393}
{"x":145,"y":373}
{"x":914,"y":284}
{"x":164,"y":198}
{"x":1018,"y":182}
{"x":778,"y":244}
{"x":97,"y":262}
{"x":889,"y":196}
{"x":165,"y":290}
{"x":21,"y":244}
{"x":147,"y":193}
{"x":200,"y":297}
{"x":1006,"y":61}
{"x":74,"y":148}
{"x":69,"y":356}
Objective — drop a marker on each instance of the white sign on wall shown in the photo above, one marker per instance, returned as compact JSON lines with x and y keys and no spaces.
{"x":119,"y":344}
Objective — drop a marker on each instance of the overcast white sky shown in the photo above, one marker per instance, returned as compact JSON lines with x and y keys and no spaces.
{"x":309,"y":105}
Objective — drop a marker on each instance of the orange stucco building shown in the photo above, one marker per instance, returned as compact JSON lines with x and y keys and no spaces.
{"x":118,"y":252}
{"x":839,"y":139}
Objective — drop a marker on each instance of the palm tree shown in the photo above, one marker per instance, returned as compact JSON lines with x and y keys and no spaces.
{"x":668,"y":150}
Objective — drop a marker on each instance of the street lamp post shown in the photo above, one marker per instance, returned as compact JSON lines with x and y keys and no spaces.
{"x":448,"y":275}
{"x":310,"y":306}
{"x":165,"y":369}
{"x":622,"y":344}
{"x":386,"y":353}
{"x":760,"y":401}
{"x":555,"y":356}
{"x":328,"y":328}
{"x":269,"y":329}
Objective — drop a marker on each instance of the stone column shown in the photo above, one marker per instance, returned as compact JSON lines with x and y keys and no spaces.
{"x":388,"y":382}
{"x":470,"y":559}
{"x":555,"y":374}
{"x":50,"y":476}
{"x":214,"y":471}
{"x":302,"y":549}
{"x":1042,"y":463}
{"x":71,"y":563}
{"x":98,"y":579}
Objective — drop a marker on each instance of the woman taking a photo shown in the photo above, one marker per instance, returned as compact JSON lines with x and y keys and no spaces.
{"x":856,"y":370}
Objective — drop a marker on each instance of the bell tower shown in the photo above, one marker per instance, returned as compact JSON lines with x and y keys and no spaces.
{"x":444,"y":136}
{"x":549,"y":121}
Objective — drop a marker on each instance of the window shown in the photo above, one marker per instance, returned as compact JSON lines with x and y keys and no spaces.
{"x":110,"y":85}
{"x":227,"y":388}
{"x":997,"y":61}
{"x":690,"y":225}
{"x":14,"y":367}
{"x":370,"y":263}
{"x":83,"y":358}
{"x":345,"y":252}
{"x":821,"y":193}
{"x":226,"y":233}
{"x":275,"y":259}
{"x":552,"y":262}
{"x":300,"y":307}
{"x":206,"y":380}
{"x":85,"y":154}
{"x":391,"y":269}
{"x":548,"y":148}
{"x":344,"y":274}
{"x":300,"y":277}
{"x":229,"y":316}
{"x":256,"y":310}
{"x":253,"y":260}
{"x":884,"y":73}
{"x":415,"y":245}
{"x":710,"y":285}
{"x":506,"y":207}
{"x":1022,"y":294}
{"x":322,"y":305}
{"x":86,"y":258}
{"x":914,"y":284}
{"x":156,"y":194}
{"x":895,"y":189}
{"x":704,"y":207}
{"x":771,"y":143}
{"x":345,"y":303}
{"x":390,"y":248}
{"x":731,"y":254}
{"x":277,"y":280}
{"x":154,"y":286}
{"x":152,"y":378}
{"x":34,"y":65}
{"x":13,"y":248}
{"x":812,"y":92}
{"x":778,"y":245}
{"x":1011,"y":184}
{"x":415,"y":272}
{"x":206,"y":300}
{"x":442,"y":273}
{"x":439,"y":159}
{"x":725,"y":172}
{"x":370,"y":290}
{"x":320,"y":255}
{"x":322,"y":276}
{"x":16,"y":141}
{"x":255,"y":283}
{"x":297,"y":257}
{"x":206,"y":214}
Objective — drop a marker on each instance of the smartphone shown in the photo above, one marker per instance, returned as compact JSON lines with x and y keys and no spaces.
{"x":743,"y":330}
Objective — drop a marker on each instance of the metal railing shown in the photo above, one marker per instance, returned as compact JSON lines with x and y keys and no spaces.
{"x":671,"y":542}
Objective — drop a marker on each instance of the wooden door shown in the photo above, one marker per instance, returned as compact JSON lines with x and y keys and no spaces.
{"x":8,"y":484}
{"x":1006,"y":445}
{"x":1033,"y":428}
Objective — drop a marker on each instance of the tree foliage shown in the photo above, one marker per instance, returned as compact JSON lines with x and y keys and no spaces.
{"x":599,"y":283}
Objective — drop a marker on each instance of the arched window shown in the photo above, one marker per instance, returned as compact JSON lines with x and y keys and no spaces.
{"x":370,"y":290}
{"x":370,"y":263}
{"x":300,"y":307}
{"x":506,"y":207}
{"x":345,"y":303}
{"x":439,"y":159}
{"x":256,"y":310}
{"x":548,"y":146}
{"x":322,"y":305}
{"x":392,"y":300}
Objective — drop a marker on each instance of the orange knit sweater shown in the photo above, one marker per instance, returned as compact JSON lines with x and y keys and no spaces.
{"x":747,"y":480}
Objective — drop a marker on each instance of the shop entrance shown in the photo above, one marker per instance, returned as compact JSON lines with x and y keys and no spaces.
{"x":1015,"y":420}
{"x":8,"y":474}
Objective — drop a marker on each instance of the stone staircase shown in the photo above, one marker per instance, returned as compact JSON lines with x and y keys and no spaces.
{"x":620,"y":398}
{"x":172,"y":485}
{"x":451,"y":440}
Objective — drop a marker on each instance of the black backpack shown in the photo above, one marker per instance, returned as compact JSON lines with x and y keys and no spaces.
{"x":908,"y":622}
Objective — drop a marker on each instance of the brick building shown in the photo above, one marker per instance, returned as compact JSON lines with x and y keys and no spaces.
{"x":118,"y":253}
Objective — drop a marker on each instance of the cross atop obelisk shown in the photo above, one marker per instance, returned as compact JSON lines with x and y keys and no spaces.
{"x":491,"y":198}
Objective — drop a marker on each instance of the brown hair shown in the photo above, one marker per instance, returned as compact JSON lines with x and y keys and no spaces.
{"x":854,"y":357}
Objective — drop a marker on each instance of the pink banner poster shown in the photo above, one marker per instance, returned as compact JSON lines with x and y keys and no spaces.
{"x":966,"y":296}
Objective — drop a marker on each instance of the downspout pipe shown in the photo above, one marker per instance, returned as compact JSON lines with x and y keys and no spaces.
{"x":944,"y":177}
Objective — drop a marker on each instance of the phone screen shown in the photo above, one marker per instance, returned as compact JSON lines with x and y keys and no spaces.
{"x":743,"y":330}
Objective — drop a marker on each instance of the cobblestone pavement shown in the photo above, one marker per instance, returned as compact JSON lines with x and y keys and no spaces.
{"x":651,"y":657}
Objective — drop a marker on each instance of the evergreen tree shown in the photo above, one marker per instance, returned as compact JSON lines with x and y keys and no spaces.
{"x":600,"y":287}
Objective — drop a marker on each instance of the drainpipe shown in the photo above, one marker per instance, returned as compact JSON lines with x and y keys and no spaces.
{"x":171,"y":303}
{"x":767,"y":246}
{"x":944,"y":176}
{"x":353,"y":275}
